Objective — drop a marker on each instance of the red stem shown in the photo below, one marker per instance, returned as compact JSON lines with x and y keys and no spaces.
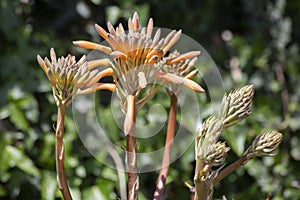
{"x":60,"y":168}
{"x":161,"y":181}
{"x":129,"y":128}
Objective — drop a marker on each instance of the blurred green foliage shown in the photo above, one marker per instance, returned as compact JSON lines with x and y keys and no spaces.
{"x":253,"y":42}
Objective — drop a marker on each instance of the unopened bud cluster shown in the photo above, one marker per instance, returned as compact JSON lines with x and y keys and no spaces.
{"x":69,"y":78}
{"x":207,"y":148}
{"x":236,"y":106}
{"x":265,"y":144}
{"x":210,"y":152}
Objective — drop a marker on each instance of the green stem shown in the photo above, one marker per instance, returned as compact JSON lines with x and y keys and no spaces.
{"x":228,"y":170}
{"x":161,"y":181}
{"x":202,"y":189}
{"x":60,"y":168}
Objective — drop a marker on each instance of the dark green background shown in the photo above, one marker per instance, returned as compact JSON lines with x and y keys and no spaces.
{"x":265,"y":42}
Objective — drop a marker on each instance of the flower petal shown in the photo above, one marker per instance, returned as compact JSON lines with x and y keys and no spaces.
{"x":150,"y":28}
{"x":180,"y":80}
{"x":172,"y":41}
{"x":130,"y":112}
{"x":96,"y":63}
{"x":52,"y":55}
{"x":93,"y":46}
{"x":42,"y":64}
{"x":170,"y":78}
{"x":192,"y":74}
{"x":101,"y":32}
{"x":118,"y":54}
{"x":186,"y":56}
{"x":98,"y":86}
{"x":193,"y":85}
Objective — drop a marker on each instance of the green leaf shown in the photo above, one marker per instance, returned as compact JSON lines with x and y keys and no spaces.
{"x":4,"y":112}
{"x":48,"y":185}
{"x":236,"y":137}
{"x":2,"y":191}
{"x":15,"y":157}
{"x":17,"y":117}
{"x":92,"y":193}
{"x":30,"y":106}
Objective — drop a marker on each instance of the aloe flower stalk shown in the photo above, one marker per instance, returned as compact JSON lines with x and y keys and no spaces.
{"x":69,"y":78}
{"x":209,"y":152}
{"x":235,"y":107}
{"x":139,"y":64}
{"x":186,"y":69}
{"x":265,"y":144}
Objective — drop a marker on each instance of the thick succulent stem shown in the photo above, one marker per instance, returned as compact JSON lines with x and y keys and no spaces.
{"x":202,"y":191}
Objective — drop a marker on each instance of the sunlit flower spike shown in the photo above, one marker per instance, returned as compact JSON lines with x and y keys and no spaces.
{"x":69,"y":78}
{"x":140,"y":58}
{"x":142,"y":62}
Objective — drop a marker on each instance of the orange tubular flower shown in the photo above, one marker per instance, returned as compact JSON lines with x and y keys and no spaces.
{"x":139,"y":59}
{"x":69,"y":78}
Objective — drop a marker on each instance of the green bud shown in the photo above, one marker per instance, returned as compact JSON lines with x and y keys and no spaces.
{"x":236,"y":106}
{"x":265,"y":144}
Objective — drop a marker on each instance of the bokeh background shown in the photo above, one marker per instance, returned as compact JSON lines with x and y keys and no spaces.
{"x":252,"y":42}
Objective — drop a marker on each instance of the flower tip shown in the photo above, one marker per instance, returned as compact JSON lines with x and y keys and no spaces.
{"x":150,"y":22}
{"x":118,"y":54}
{"x":193,"y":85}
{"x":197,"y":53}
{"x":250,"y":87}
{"x":52,"y":54}
{"x":76,"y":42}
{"x":42,"y":63}
{"x":198,"y":88}
{"x":101,"y":31}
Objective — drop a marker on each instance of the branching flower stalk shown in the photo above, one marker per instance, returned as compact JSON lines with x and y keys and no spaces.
{"x":137,"y":58}
{"x":140,"y":62}
{"x":185,"y":69}
{"x":69,"y":78}
{"x":264,"y":144}
{"x":210,"y":152}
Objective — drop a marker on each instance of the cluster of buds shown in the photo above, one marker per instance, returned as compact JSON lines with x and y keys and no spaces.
{"x":264,"y":144}
{"x":70,"y":78}
{"x":236,"y":106}
{"x":181,"y":68}
{"x":207,"y":148}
